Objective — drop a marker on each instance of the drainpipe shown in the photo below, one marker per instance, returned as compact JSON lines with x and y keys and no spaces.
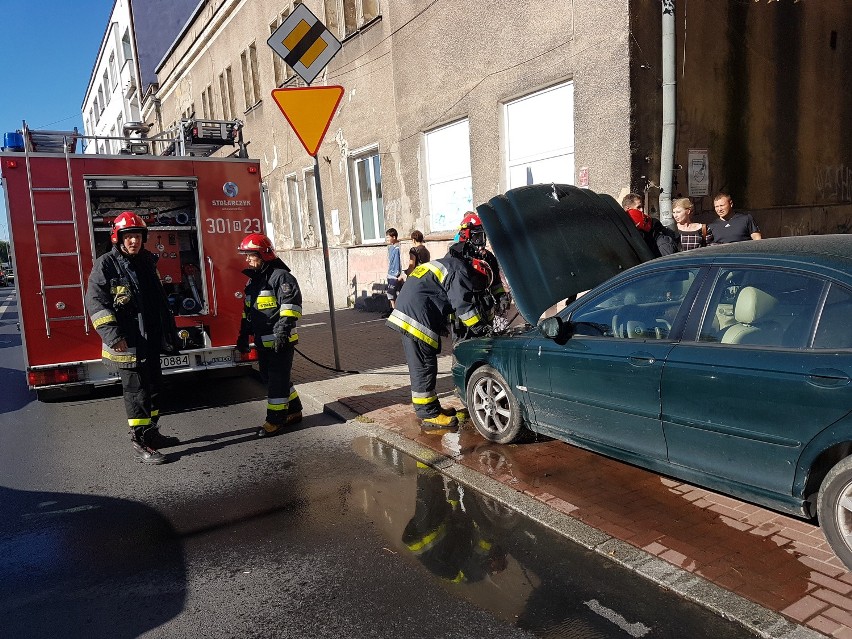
{"x":667,"y":146}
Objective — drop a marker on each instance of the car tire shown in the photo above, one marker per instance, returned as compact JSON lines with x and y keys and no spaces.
{"x":834,"y":510}
{"x":493,"y":408}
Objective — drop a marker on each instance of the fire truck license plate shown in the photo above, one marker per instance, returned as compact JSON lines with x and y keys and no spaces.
{"x":173,"y":361}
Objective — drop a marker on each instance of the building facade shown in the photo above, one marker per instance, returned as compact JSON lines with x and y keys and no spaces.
{"x":137,"y":35}
{"x":447,"y":104}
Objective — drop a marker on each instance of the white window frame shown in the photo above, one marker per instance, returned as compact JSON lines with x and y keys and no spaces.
{"x":441,"y":174}
{"x":293,"y":178}
{"x":513,"y":159}
{"x":378,"y":212}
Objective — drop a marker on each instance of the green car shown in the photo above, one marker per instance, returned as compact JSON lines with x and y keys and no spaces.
{"x":729,"y":367}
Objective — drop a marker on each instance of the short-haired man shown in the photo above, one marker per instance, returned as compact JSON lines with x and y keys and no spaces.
{"x":732,"y":226}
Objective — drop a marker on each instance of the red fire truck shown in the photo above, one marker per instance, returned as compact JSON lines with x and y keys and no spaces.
{"x":61,"y":204}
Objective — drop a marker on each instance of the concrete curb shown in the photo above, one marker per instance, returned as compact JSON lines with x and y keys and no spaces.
{"x":756,"y":618}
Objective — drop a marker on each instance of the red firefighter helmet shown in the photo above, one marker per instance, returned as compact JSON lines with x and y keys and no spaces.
{"x":260,"y":244}
{"x":470,"y":229}
{"x":128,"y":222}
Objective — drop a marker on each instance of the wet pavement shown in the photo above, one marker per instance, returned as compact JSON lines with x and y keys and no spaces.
{"x":782,"y":564}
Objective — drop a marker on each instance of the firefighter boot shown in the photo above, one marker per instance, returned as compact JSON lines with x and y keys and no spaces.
{"x":293,"y":419}
{"x":143,"y":450}
{"x":448,"y":411}
{"x":439,"y":424}
{"x":156,"y":439}
{"x":269,"y":430}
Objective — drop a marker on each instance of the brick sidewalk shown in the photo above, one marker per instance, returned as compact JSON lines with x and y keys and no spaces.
{"x":779,"y":562}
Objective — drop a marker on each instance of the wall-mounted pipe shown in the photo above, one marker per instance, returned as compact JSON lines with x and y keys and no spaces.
{"x":667,"y":146}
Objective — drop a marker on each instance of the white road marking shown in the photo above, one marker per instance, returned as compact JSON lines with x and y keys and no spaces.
{"x":313,"y":324}
{"x":637,"y":629}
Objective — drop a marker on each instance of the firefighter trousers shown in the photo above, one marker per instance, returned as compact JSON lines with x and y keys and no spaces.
{"x":282,"y":399}
{"x":422,"y":362}
{"x":141,"y":388}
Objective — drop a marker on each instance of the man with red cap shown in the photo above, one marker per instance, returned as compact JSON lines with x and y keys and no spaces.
{"x":129,"y":310}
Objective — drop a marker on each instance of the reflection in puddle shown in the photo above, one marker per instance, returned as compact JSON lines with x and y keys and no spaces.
{"x":496,"y":558}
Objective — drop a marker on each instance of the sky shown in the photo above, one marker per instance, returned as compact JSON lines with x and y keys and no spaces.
{"x":47,"y":52}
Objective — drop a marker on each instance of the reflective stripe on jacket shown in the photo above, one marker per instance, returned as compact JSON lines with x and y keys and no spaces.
{"x":434,"y":291}
{"x":272,"y":297}
{"x":126,"y":301}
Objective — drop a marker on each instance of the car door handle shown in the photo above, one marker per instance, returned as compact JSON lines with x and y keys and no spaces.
{"x":828,"y":378}
{"x":641,"y":359}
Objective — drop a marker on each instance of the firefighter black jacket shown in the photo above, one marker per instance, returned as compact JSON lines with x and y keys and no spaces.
{"x":272,"y":297}
{"x":125,"y":300}
{"x":432,"y":293}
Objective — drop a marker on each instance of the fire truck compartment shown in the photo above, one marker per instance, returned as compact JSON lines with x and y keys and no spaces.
{"x":169,"y":209}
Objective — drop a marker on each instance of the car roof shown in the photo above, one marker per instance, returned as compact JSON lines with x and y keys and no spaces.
{"x":832,"y":251}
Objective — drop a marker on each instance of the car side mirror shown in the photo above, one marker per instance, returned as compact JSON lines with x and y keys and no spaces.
{"x":556,"y":329}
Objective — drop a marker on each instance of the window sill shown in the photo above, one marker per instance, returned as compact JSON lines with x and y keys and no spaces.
{"x":253,"y":107}
{"x":362,"y":29}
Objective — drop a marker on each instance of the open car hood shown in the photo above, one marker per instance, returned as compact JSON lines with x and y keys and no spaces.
{"x":554,"y":241}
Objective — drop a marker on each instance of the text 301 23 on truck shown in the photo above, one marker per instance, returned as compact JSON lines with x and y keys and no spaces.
{"x":61,"y":204}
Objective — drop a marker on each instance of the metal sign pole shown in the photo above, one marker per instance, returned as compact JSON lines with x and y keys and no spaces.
{"x":326,"y":261}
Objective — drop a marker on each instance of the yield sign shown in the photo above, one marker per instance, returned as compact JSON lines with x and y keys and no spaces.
{"x":309,"y":111}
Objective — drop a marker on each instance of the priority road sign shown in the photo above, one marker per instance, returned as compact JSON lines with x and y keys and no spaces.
{"x":309,"y":111}
{"x":305,"y":43}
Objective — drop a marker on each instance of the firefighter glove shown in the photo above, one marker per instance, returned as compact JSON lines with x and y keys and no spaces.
{"x":282,"y":337}
{"x":243,"y":344}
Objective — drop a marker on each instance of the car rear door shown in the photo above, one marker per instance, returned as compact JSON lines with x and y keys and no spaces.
{"x":744,"y":410}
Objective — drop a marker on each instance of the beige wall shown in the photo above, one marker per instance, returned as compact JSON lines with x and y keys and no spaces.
{"x":417,"y":68}
{"x":758,"y":85}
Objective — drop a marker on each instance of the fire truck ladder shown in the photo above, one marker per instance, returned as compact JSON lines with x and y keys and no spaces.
{"x":40,"y":141}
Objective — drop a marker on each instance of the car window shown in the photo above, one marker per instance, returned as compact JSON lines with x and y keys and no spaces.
{"x":642,"y":308}
{"x":761,"y":307}
{"x":835,"y":329}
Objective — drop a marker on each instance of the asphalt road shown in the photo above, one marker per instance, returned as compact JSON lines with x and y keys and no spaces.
{"x":320,"y":532}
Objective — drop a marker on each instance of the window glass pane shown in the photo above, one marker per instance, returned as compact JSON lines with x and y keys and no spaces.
{"x":365,"y":199}
{"x":350,"y":17}
{"x":835,"y":323}
{"x":761,"y":307}
{"x":448,"y":167}
{"x":448,"y":152}
{"x":244,"y":62}
{"x":540,"y":136}
{"x":380,"y":207}
{"x":255,"y":75}
{"x":370,"y":9}
{"x":295,"y":209}
{"x":558,"y":170}
{"x":448,"y":201}
{"x":312,"y":232}
{"x":644,"y":308}
{"x":332,"y":21}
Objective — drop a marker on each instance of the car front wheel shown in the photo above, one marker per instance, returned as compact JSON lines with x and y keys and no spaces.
{"x":492,"y":407}
{"x":834,"y":509}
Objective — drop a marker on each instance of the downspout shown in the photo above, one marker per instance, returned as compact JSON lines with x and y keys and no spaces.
{"x":667,"y":145}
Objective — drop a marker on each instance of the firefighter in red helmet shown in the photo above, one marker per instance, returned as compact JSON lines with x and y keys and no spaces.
{"x":432,"y":293}
{"x":271,"y":308}
{"x":129,"y":310}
